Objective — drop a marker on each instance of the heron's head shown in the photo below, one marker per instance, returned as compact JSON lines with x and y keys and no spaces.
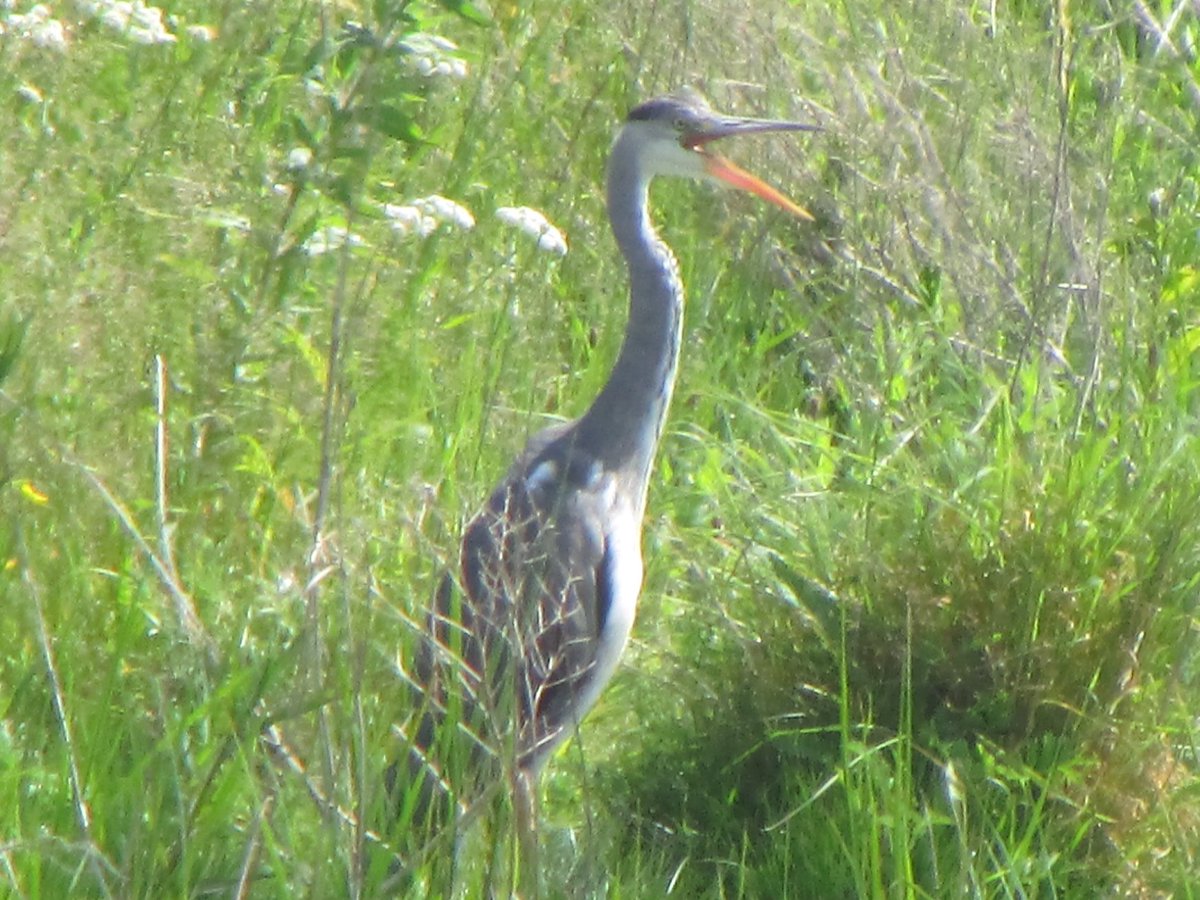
{"x":672,"y":136}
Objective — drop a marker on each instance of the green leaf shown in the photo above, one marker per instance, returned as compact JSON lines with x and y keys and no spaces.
{"x":1182,"y":286}
{"x":392,"y":13}
{"x":392,"y":121}
{"x":303,"y":132}
{"x":12,"y":335}
{"x":930,"y":279}
{"x":820,"y":605}
{"x":467,"y":10}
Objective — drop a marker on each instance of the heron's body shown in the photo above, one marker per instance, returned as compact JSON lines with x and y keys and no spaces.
{"x":551,"y":572}
{"x":551,"y":568}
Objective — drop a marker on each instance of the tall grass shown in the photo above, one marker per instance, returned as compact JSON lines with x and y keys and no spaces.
{"x":920,"y":612}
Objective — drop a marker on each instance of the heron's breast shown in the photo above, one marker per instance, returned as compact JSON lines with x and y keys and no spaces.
{"x":624,"y":576}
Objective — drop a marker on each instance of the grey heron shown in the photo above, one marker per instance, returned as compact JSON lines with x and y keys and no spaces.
{"x":520,"y":648}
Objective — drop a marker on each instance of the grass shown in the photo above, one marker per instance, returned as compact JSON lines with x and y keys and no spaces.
{"x":919,"y":616}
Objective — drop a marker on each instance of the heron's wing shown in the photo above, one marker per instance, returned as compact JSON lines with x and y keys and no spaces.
{"x":512,"y":642}
{"x":536,"y":592}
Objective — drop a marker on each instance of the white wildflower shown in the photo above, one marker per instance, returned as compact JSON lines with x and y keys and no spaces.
{"x":38,"y":27}
{"x":146,"y":25}
{"x":299,"y":159}
{"x":422,"y":217}
{"x":331,"y":237}
{"x":434,"y":56}
{"x":143,"y":24}
{"x":535,"y":225}
{"x":29,"y":93}
{"x":406,"y":220}
{"x":202,"y":34}
{"x":453,"y":68}
{"x":445,"y":210}
{"x":113,"y":15}
{"x":50,"y":36}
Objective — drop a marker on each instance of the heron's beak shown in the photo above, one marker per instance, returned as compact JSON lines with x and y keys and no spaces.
{"x":722,"y":169}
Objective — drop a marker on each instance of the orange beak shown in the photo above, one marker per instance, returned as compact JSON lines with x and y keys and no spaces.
{"x":722,"y":169}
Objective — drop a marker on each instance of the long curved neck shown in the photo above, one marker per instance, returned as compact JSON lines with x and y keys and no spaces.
{"x":623,"y":425}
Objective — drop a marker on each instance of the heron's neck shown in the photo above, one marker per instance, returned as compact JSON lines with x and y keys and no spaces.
{"x":623,"y":425}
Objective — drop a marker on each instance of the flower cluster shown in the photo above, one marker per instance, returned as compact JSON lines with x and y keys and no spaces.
{"x":299,"y":159}
{"x":434,"y":56}
{"x":142,"y":24}
{"x":38,"y":27}
{"x":421,"y":217}
{"x":202,"y":34}
{"x":535,"y":225}
{"x":329,"y":238}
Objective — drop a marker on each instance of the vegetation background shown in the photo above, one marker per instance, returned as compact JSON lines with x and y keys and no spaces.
{"x":920,"y":615}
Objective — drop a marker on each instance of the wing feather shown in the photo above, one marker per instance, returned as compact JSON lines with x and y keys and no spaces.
{"x":522,"y":633}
